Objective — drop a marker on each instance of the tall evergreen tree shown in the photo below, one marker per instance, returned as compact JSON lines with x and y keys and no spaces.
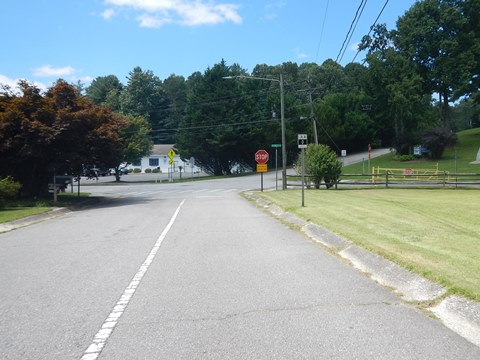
{"x":144,"y":96}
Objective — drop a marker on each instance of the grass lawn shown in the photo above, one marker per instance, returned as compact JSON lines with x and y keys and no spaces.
{"x":434,"y":232}
{"x":18,"y":209}
{"x":458,"y":158}
{"x":11,"y":214}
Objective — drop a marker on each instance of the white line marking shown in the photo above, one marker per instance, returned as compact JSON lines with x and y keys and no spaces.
{"x":100,"y":339}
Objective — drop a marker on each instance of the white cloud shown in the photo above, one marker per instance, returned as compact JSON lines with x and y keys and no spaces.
{"x":302,"y":56}
{"x":108,"y":14}
{"x":86,"y":79}
{"x":275,"y":5}
{"x":149,"y":21}
{"x":354,"y":46}
{"x":271,"y":8}
{"x":13,"y":84}
{"x":156,"y":13}
{"x":48,"y":70}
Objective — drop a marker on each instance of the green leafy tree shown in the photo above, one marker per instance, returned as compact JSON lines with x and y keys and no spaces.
{"x":398,"y":90}
{"x":136,"y":141}
{"x":268,"y":101}
{"x":222,"y":127}
{"x":175,"y":88}
{"x":435,"y":34}
{"x":144,"y":96}
{"x":322,"y":164}
{"x":102,"y":88}
{"x":343,"y":121}
{"x":471,"y":11}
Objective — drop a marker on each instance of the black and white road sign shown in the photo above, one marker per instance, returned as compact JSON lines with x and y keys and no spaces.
{"x":302,"y":141}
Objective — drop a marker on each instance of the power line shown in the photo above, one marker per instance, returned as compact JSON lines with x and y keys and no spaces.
{"x":321,"y":31}
{"x":353,"y":25}
{"x":371,"y":27}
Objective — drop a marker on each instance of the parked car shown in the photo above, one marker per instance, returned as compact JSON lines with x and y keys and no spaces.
{"x":121,"y":171}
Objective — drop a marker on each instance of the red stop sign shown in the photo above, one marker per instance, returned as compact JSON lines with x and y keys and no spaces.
{"x":261,"y":157}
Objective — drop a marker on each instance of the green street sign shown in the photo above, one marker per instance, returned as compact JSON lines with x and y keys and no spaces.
{"x":276,"y":145}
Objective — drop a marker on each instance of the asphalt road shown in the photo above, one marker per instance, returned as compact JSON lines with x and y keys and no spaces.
{"x":194,"y":271}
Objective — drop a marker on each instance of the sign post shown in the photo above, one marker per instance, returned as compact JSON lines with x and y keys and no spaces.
{"x":276,"y":146}
{"x":171,"y":154}
{"x":369,"y":157}
{"x":261,"y":157}
{"x":302,"y":144}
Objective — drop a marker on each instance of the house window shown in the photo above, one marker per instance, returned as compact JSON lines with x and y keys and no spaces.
{"x":153,"y":162}
{"x":137,"y":163}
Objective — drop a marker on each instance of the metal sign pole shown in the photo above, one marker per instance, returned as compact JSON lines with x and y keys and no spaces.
{"x":303,"y":177}
{"x":54,"y":186}
{"x":302,"y":144}
{"x":276,"y":169}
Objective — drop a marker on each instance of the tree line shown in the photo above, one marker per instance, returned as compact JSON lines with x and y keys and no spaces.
{"x":418,"y":83}
{"x":401,"y":95}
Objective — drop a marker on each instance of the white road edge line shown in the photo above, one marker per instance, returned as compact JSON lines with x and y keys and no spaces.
{"x":100,"y":339}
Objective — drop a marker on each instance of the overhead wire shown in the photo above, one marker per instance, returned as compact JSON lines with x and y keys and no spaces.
{"x":371,"y":27}
{"x":321,"y":31}
{"x":351,"y":30}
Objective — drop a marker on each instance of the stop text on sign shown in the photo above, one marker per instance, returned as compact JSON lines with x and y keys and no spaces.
{"x":261,"y":157}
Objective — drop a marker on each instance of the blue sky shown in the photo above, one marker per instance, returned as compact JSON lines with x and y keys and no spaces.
{"x":44,"y":40}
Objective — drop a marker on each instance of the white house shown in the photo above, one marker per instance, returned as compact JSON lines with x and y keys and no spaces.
{"x":159,"y":159}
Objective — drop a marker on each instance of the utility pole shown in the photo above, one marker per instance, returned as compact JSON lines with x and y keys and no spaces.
{"x":312,"y":113}
{"x":313,"y":117}
{"x":284,"y":145}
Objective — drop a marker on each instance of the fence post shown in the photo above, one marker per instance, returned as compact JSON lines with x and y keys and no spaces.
{"x":386,"y":179}
{"x":444,"y":179}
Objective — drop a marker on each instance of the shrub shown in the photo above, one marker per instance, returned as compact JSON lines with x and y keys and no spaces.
{"x":9,"y":188}
{"x":148,"y":171}
{"x":322,"y":164}
{"x":156,"y":170}
{"x":437,"y":139}
{"x":137,"y":170}
{"x":405,"y":157}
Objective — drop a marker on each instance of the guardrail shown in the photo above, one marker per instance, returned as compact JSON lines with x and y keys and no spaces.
{"x":388,"y":179}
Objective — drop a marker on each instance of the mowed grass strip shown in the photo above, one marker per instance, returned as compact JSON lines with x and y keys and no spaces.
{"x":433,"y":232}
{"x":12,"y":214}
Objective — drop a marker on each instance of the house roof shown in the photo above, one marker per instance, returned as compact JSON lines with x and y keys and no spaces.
{"x":162,"y":149}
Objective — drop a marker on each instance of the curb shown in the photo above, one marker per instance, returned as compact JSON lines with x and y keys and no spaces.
{"x":458,"y":314}
{"x":12,"y":225}
{"x":409,"y":286}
